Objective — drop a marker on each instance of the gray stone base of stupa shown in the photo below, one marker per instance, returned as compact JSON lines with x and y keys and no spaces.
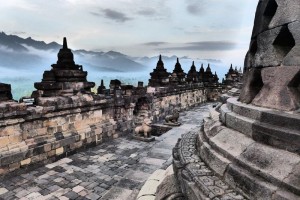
{"x":242,"y":152}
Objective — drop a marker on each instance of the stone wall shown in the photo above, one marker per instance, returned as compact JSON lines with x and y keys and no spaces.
{"x":59,"y":126}
{"x":47,"y":133}
{"x":165,"y":104}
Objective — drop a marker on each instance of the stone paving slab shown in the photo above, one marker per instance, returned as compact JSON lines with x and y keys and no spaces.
{"x":113,"y":170}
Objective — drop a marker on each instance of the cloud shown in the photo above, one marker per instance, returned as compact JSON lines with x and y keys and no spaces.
{"x":204,"y":46}
{"x":113,"y":15}
{"x":18,"y":33}
{"x":194,"y":9}
{"x":211,"y":60}
{"x":147,"y":12}
{"x":154,"y":43}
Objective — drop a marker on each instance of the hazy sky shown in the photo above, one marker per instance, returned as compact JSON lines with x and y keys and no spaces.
{"x":214,"y":29}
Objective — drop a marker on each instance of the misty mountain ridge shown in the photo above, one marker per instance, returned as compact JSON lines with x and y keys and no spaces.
{"x":15,"y":43}
{"x":20,"y":53}
{"x":26,"y":57}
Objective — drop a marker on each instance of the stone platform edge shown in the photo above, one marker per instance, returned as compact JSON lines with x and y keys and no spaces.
{"x":256,"y":170}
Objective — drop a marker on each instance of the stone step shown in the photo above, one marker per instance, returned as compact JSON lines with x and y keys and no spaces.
{"x":282,"y":119}
{"x":278,"y":136}
{"x":245,"y":110}
{"x":278,"y":129}
{"x":248,"y":164}
{"x":239,"y":123}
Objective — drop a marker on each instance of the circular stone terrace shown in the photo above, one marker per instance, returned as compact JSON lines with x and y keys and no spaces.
{"x":117,"y":169}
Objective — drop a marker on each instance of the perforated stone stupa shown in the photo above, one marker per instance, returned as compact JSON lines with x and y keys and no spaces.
{"x":272,"y":64}
{"x":249,"y":148}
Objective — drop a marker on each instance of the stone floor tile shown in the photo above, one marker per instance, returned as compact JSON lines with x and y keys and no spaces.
{"x":116,"y":169}
{"x":22,"y":193}
{"x":78,"y":189}
{"x":63,"y":198}
{"x":3,"y":191}
{"x":18,"y":189}
{"x":60,"y":192}
{"x":137,"y":175}
{"x":71,"y":195}
{"x":84,"y":192}
{"x":128,"y":184}
{"x":117,"y":193}
{"x":152,"y":161}
{"x":34,"y":189}
{"x":33,"y":195}
{"x":45,"y":192}
{"x":57,"y":180}
{"x":54,"y":188}
{"x":93,"y":196}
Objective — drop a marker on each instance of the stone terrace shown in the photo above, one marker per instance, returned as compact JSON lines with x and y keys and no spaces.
{"x":114,"y":170}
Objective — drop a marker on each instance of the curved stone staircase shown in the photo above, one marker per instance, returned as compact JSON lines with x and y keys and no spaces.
{"x":250,"y":153}
{"x":197,"y":180}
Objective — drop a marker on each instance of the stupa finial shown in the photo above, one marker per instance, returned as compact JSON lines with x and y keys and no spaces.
{"x":65,"y":45}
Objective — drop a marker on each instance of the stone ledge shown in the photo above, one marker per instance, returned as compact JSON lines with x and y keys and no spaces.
{"x":245,"y":110}
{"x":148,"y":191}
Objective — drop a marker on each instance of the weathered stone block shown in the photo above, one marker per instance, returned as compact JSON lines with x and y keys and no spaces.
{"x":293,"y":179}
{"x":255,"y":188}
{"x":293,"y":58}
{"x":38,"y":150}
{"x":231,"y":143}
{"x":277,"y":136}
{"x":51,"y":153}
{"x":47,"y":147}
{"x":59,"y":151}
{"x":68,"y":141}
{"x":239,"y":123}
{"x":26,"y":162}
{"x":16,"y":157}
{"x":216,"y":161}
{"x":265,"y":161}
{"x":39,"y":157}
{"x":4,"y":141}
{"x":286,"y":12}
{"x":252,"y":85}
{"x":3,"y":170}
{"x":14,"y":166}
{"x":282,"y":94}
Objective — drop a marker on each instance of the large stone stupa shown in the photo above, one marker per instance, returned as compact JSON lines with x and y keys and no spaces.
{"x":65,"y":77}
{"x":249,"y":147}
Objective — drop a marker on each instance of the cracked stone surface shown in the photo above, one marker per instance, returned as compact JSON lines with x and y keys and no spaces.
{"x":112,"y":170}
